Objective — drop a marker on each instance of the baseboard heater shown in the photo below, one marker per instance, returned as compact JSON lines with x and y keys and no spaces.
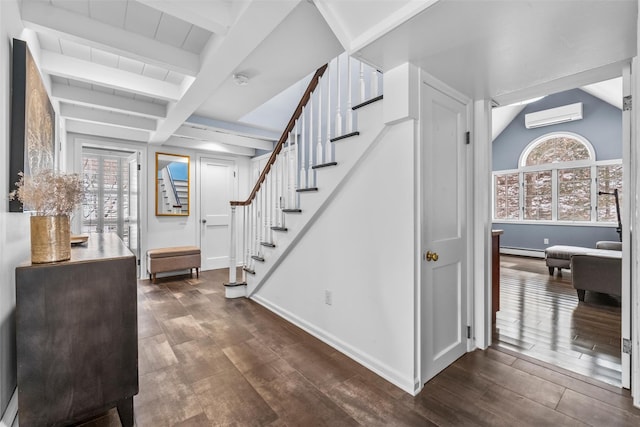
{"x":535,"y":253}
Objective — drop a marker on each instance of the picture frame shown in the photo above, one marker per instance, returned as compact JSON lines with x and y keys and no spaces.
{"x":32,"y":146}
{"x":172,"y":179}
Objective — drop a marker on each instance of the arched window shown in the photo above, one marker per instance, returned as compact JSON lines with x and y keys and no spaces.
{"x":558,"y":179}
{"x":557,"y":148}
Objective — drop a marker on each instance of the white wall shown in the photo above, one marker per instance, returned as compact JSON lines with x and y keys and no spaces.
{"x":362,"y":251}
{"x":161,"y":231}
{"x":14,"y":229}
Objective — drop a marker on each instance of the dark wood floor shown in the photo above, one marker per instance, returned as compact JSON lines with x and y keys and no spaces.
{"x":540,"y":316}
{"x":205,"y":360}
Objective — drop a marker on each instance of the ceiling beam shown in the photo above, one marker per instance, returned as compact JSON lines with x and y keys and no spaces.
{"x":214,"y":16}
{"x":216,"y":147}
{"x":42,"y":17}
{"x":92,"y":98}
{"x":106,"y":117}
{"x":254,"y":25}
{"x":226,"y":138}
{"x":86,"y":128}
{"x":90,"y":72}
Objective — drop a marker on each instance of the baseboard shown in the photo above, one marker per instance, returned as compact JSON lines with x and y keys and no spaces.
{"x":371,"y":363}
{"x":11,"y":412}
{"x":535,"y":253}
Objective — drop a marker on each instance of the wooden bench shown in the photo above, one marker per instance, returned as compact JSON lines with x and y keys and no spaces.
{"x":161,"y":260}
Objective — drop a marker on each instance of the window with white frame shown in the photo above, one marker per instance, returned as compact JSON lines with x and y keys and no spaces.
{"x":558,"y":179}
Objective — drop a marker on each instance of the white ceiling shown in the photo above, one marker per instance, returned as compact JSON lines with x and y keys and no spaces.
{"x":140,"y":69}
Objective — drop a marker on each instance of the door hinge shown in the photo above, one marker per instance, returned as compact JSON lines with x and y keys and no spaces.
{"x":468,"y":138}
{"x":627,"y":103}
{"x":138,"y":166}
{"x":468,"y":331}
{"x":626,"y":345}
{"x":138,"y":262}
{"x":234,"y":174}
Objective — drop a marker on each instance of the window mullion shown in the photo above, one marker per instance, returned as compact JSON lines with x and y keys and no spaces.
{"x":554,"y":194}
{"x":594,"y":193}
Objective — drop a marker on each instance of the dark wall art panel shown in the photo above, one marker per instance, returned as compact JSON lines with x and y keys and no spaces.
{"x":32,"y":120}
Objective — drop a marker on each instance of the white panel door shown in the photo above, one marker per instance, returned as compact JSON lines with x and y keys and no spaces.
{"x":443,"y":283}
{"x":216,"y":191}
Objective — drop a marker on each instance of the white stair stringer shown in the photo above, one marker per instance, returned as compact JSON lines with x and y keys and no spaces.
{"x":349,"y":153}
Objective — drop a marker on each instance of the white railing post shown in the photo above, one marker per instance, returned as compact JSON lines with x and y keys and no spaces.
{"x":327,"y":144}
{"x":319,"y":150}
{"x":349,"y":112}
{"x":338,"y":125}
{"x":374,"y":83}
{"x":294,"y":175}
{"x":363,"y":94}
{"x":309,"y":162}
{"x":303,"y":155}
{"x":232,"y":250}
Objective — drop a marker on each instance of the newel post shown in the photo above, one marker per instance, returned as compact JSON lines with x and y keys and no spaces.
{"x":233,"y":289}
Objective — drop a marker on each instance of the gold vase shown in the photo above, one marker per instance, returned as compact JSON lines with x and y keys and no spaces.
{"x":50,"y":239}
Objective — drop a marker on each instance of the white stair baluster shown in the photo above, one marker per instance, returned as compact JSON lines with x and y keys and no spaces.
{"x":349,"y":112}
{"x":294,"y":175}
{"x":310,"y":140}
{"x":363,"y":95}
{"x":374,"y":83}
{"x":327,"y":144}
{"x":338,"y":125}
{"x":319,"y":148}
{"x":303,"y":157}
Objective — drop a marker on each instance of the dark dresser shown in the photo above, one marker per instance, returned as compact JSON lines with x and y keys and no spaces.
{"x":76,"y":335}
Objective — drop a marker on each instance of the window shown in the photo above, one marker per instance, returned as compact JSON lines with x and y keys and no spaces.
{"x":106,"y":202}
{"x":558,"y":179}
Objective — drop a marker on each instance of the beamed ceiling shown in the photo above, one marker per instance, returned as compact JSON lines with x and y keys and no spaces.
{"x":148,"y":70}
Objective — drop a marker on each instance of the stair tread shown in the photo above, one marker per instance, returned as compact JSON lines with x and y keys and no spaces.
{"x":279,"y":229}
{"x":306,"y":190}
{"x":268,"y":244}
{"x":257,"y":258}
{"x":346,"y":135}
{"x":291,"y":210}
{"x":367,"y":102}
{"x":324,"y":165}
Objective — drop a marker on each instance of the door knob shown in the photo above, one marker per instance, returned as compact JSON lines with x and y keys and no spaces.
{"x":431,"y":256}
{"x":204,"y":221}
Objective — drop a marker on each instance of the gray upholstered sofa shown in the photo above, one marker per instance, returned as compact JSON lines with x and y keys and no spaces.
{"x":599,"y":270}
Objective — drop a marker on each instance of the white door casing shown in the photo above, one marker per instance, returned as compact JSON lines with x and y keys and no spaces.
{"x":625,"y":217}
{"x":217,"y":178}
{"x":444,"y":216}
{"x":131,"y":221}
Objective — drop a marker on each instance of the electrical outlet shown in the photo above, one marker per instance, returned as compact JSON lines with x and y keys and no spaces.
{"x":328,"y":298}
{"x":546,"y":241}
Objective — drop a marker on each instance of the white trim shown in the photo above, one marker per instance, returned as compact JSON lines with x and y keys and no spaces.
{"x":560,"y":223}
{"x":625,"y":217}
{"x":368,"y":361}
{"x":534,"y":253}
{"x":481,"y":226}
{"x":11,"y":413}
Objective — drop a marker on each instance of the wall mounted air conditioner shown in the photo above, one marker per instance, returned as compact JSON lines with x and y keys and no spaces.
{"x":566,"y":113}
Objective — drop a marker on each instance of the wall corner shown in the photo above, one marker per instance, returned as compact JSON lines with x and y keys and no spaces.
{"x":401,"y":94}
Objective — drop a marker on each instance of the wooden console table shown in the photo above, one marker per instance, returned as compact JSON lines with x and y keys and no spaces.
{"x":495,"y":273}
{"x":77,"y":335}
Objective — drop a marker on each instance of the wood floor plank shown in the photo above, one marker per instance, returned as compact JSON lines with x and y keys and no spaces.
{"x":252,"y":368}
{"x":595,"y":412}
{"x":540,"y":316}
{"x":527,"y":385}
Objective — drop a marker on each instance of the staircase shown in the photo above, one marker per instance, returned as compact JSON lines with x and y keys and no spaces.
{"x":331,"y":131}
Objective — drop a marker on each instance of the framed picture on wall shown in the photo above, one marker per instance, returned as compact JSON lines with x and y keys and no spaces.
{"x":32,"y":146}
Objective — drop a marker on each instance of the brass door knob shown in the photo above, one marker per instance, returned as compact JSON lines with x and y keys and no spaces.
{"x":431,"y":256}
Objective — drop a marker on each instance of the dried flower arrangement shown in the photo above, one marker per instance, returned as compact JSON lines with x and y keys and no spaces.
{"x":48,"y":192}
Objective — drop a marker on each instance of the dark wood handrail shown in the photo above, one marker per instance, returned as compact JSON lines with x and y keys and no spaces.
{"x":292,"y":122}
